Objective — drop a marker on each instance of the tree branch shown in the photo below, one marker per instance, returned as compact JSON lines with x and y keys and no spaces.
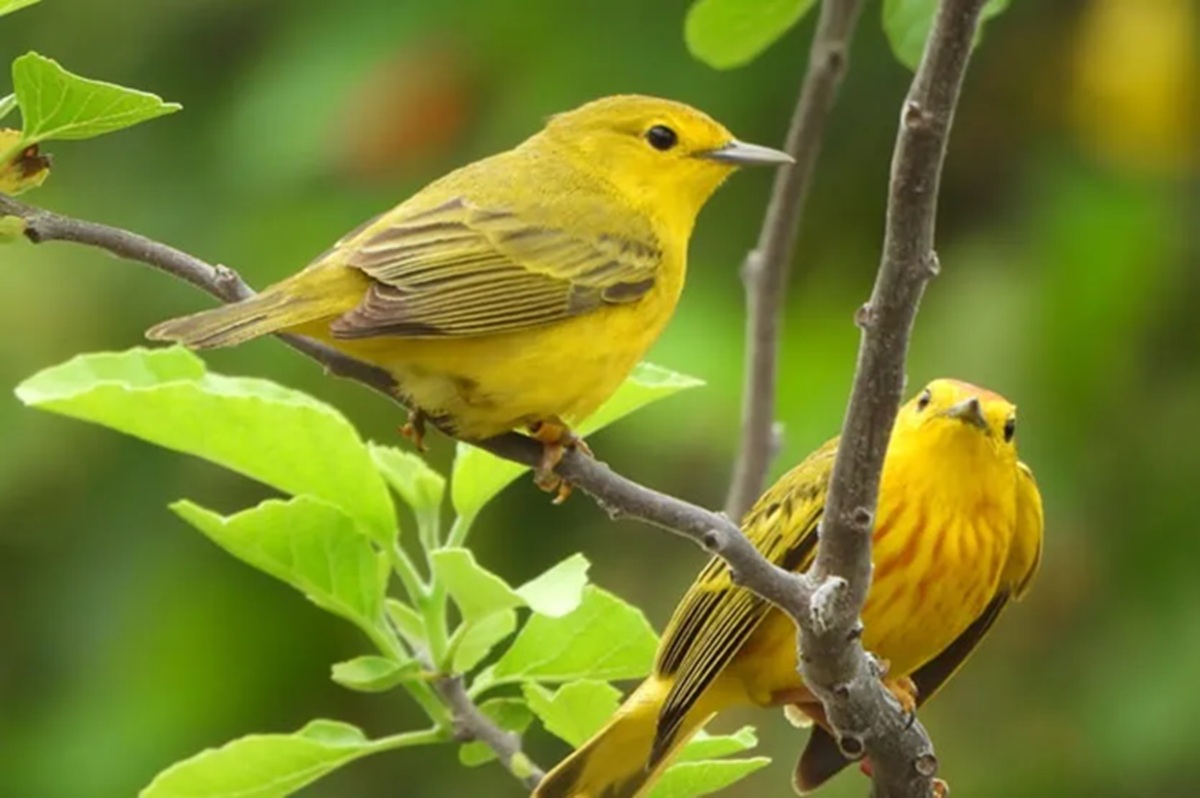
{"x":765,"y":270}
{"x":826,"y":602}
{"x":833,"y":657}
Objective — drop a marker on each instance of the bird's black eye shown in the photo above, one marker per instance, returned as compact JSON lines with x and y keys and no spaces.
{"x":1010,"y":429}
{"x":924,"y":399}
{"x":662,"y":137}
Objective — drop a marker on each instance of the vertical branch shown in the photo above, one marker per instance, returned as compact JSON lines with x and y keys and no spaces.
{"x":833,"y":655}
{"x":765,"y":270}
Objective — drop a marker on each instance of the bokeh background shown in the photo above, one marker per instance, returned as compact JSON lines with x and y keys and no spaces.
{"x":1070,"y":283}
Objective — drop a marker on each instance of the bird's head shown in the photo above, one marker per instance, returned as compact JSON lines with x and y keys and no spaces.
{"x":664,"y":156}
{"x":955,"y":416}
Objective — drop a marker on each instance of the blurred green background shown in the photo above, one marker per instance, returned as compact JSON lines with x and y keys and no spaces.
{"x":1069,"y":249}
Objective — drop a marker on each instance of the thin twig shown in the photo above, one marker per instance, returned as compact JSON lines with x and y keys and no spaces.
{"x":824,"y":603}
{"x":765,"y":270}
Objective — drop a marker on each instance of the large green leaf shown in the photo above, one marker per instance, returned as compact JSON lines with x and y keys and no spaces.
{"x":908,"y":22}
{"x":604,"y":638}
{"x":478,"y":475}
{"x":559,"y":590}
{"x":307,"y":543}
{"x":374,"y":674}
{"x":56,"y":104}
{"x":730,"y":33}
{"x":9,"y":6}
{"x":278,"y":436}
{"x":691,"y":779}
{"x":271,"y":765}
{"x":574,"y":712}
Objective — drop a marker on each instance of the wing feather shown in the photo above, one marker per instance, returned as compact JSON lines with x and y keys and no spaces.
{"x":459,"y":270}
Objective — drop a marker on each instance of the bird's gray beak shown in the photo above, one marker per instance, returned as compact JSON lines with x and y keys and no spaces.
{"x":739,"y":153}
{"x":969,"y":411}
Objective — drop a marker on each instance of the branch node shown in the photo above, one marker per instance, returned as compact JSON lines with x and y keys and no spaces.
{"x":926,"y":765}
{"x":856,"y":631}
{"x":915,"y":117}
{"x":864,"y":317}
{"x":711,"y":541}
{"x":933,"y":266}
{"x":752,"y":267}
{"x":851,"y":746}
{"x":842,"y":691}
{"x":822,"y":605}
{"x":862,"y":520}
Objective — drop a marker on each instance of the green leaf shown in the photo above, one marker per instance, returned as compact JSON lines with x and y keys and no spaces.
{"x":278,"y":436}
{"x":907,"y":24}
{"x":509,"y":714}
{"x":406,"y":620}
{"x":690,"y":779}
{"x":477,"y":591}
{"x":56,"y":104}
{"x":476,"y":640}
{"x":9,"y":6}
{"x":559,"y":590}
{"x":604,"y":638}
{"x":576,"y":711}
{"x":7,"y":105}
{"x":478,"y":475}
{"x":420,"y":486}
{"x":730,"y":33}
{"x":309,"y":544}
{"x":372,"y":674}
{"x":709,"y":746}
{"x":265,"y":765}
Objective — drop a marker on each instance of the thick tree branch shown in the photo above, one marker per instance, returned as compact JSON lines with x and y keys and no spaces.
{"x":765,"y":270}
{"x":833,"y":657}
{"x":824,"y":603}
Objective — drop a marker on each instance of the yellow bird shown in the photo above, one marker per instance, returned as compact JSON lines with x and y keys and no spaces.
{"x":958,"y":535}
{"x":518,"y":291}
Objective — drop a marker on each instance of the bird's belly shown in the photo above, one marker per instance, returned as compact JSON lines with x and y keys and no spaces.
{"x":928,"y":588}
{"x":488,"y":385}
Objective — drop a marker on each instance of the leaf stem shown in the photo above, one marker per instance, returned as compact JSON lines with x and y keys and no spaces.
{"x":438,"y":734}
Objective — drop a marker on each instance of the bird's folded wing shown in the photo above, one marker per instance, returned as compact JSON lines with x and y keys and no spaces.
{"x":463,"y":270}
{"x":716,"y":617}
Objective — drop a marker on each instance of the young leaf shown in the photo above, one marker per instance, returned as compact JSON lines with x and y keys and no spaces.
{"x":559,"y":590}
{"x":278,"y":436}
{"x":56,"y":104}
{"x":576,"y":711}
{"x":9,"y":6}
{"x":372,"y":674}
{"x":7,"y":106}
{"x":307,"y":543}
{"x":477,"y":591}
{"x":691,"y":779}
{"x":477,"y":639}
{"x":408,"y":622}
{"x":510,"y":714}
{"x":907,"y":24}
{"x":604,"y":638}
{"x":419,"y":485}
{"x":478,"y":475}
{"x":268,"y":765}
{"x":730,"y":33}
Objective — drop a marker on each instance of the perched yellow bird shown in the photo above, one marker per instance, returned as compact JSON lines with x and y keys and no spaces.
{"x":958,"y":535}
{"x":518,"y":291}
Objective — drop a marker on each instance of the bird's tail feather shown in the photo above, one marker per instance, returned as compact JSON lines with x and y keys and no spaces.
{"x":616,"y":762}
{"x":266,"y":313}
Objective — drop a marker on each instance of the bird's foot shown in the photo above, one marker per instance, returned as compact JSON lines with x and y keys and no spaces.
{"x":905,"y":691}
{"x":556,"y":437}
{"x":414,"y":429}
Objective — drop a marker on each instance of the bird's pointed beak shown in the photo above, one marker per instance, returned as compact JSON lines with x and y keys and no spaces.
{"x":739,"y":153}
{"x":968,"y":411}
